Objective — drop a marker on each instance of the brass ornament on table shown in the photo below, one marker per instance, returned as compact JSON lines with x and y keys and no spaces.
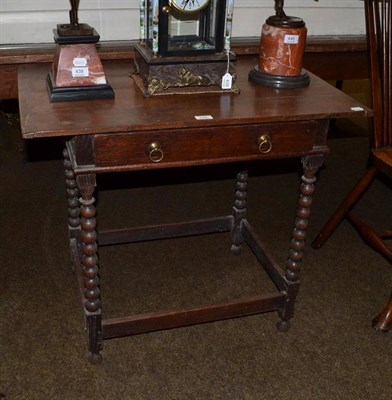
{"x":155,"y":85}
{"x":185,"y":78}
{"x":188,"y":78}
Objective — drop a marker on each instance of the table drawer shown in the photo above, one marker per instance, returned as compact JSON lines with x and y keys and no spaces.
{"x":204,"y":146}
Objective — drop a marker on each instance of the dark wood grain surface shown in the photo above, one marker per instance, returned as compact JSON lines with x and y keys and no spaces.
{"x":130,"y":111}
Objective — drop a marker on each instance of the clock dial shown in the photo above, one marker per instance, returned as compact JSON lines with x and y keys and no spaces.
{"x":189,"y":6}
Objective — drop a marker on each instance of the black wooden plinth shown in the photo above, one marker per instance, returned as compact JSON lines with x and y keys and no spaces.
{"x":73,"y":93}
{"x":279,"y":81}
{"x":61,"y":38}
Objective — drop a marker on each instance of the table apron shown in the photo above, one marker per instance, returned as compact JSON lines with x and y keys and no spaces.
{"x":112,"y":152}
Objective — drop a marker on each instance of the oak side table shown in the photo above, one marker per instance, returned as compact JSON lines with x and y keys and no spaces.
{"x":132,"y":133}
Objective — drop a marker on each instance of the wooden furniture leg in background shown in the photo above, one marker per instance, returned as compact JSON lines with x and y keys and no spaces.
{"x":73,"y":204}
{"x":293,"y":265}
{"x":348,"y":203}
{"x":383,"y":322}
{"x":239,"y":212}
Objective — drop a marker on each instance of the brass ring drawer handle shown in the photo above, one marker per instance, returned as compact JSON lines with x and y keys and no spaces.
{"x":264,"y":143}
{"x":155,"y":153}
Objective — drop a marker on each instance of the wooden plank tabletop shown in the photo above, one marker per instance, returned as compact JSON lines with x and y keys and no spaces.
{"x":130,"y":111}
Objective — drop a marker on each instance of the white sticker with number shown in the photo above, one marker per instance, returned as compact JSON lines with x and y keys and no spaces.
{"x":80,"y":72}
{"x":79,"y":62}
{"x":291,"y":39}
{"x":203,"y":117}
{"x":227,"y":81}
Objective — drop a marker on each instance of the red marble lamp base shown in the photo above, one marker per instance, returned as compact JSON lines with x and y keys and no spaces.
{"x":77,"y":74}
{"x":282,"y":48}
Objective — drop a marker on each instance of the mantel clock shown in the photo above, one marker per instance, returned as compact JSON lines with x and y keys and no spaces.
{"x":184,"y":46}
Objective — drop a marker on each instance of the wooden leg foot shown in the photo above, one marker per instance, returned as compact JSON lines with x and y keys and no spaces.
{"x":380,"y":326}
{"x":95,"y":358}
{"x":383,"y":321}
{"x":283,"y":326}
{"x":236,"y":250}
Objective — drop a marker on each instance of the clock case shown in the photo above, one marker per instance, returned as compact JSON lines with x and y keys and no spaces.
{"x":179,"y":65}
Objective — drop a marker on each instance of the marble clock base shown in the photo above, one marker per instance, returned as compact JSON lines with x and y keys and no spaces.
{"x":181,"y":75}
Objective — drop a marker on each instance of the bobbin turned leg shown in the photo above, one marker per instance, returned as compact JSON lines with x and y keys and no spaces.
{"x":239,"y":211}
{"x":293,"y":265}
{"x":72,"y":193}
{"x":92,"y":303}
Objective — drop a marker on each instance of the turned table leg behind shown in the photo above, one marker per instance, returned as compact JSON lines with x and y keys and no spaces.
{"x":239,"y":211}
